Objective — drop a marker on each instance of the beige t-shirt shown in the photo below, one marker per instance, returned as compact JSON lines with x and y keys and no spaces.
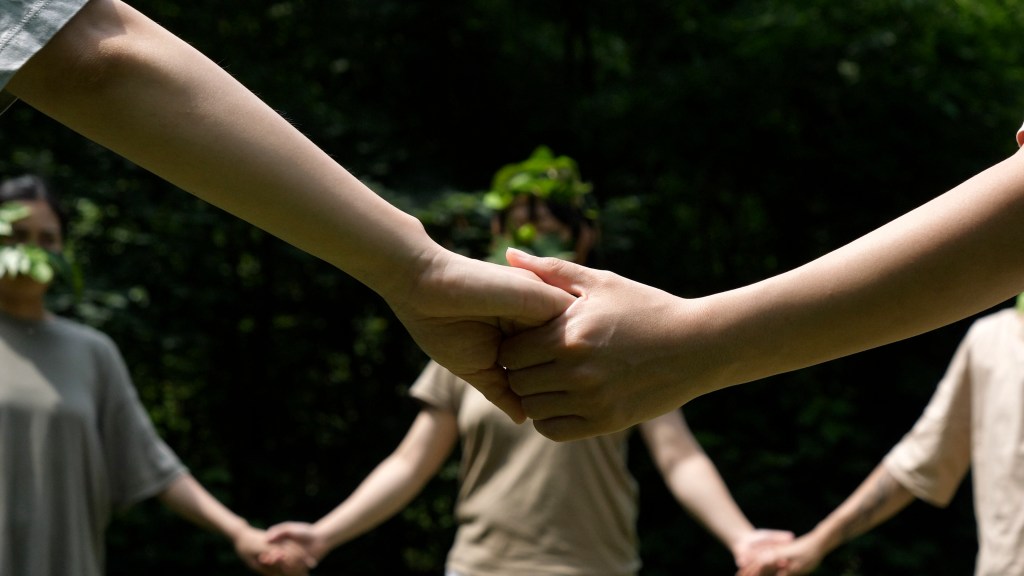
{"x":529,"y":505}
{"x":976,"y":420}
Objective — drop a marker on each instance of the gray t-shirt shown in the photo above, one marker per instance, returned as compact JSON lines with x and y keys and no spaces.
{"x":75,"y":444}
{"x":25,"y":27}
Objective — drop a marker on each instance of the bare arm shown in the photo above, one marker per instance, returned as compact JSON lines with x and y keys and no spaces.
{"x":123,"y":81}
{"x":692,"y":477}
{"x":385,"y":492}
{"x":695,"y":482}
{"x":187,"y":498}
{"x":877,"y":499}
{"x":625,"y":352}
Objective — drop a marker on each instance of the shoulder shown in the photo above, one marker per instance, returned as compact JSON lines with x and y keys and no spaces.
{"x":436,"y":375}
{"x":1002,"y":320}
{"x":438,"y":387}
{"x":76,"y":330}
{"x":85,"y":337}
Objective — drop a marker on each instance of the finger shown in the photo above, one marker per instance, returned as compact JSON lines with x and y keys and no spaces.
{"x":493,"y":384}
{"x":277,"y":535}
{"x":565,"y":428}
{"x":548,"y":405}
{"x":554,"y":271}
{"x":534,"y":346}
{"x":520,"y":297}
{"x":549,"y":376}
{"x":284,"y":531}
{"x":269,"y":557}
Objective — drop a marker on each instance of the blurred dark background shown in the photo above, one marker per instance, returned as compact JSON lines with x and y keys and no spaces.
{"x":726,"y":141}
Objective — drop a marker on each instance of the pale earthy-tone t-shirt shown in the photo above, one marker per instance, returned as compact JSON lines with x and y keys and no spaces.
{"x":25,"y":27}
{"x":975,"y":420}
{"x":529,"y":505}
{"x":75,"y":443}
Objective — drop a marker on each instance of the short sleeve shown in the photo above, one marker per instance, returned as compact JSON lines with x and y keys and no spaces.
{"x":1020,"y":136}
{"x":25,"y":27}
{"x":933,"y":458}
{"x":139,"y":463}
{"x":438,"y":387}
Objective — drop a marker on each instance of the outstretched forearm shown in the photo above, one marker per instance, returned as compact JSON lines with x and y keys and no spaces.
{"x":187,"y":498}
{"x":395,"y":481}
{"x":877,"y":499}
{"x":624,"y":352}
{"x":123,"y":81}
{"x":693,"y":479}
{"x":953,"y":257}
{"x":701,"y":490}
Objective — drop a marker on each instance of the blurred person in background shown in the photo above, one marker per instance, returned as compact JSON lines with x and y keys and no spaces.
{"x":75,"y":442}
{"x":974,"y":421}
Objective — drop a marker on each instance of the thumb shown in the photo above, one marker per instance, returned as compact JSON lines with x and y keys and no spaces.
{"x":285,"y":531}
{"x":554,"y":271}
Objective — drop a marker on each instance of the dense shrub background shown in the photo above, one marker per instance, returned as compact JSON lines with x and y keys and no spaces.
{"x":727,"y":141}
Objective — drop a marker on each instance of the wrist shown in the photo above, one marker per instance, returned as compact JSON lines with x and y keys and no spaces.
{"x":323,"y":540}
{"x":236,"y":528}
{"x":741,"y":337}
{"x":413,"y":255}
{"x":823,"y":539}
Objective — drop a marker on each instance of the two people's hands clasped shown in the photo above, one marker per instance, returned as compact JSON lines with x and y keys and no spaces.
{"x":761,"y":552}
{"x":285,"y":535}
{"x":289,"y":558}
{"x":799,"y":556}
{"x":542,"y":350}
{"x":603,"y":364}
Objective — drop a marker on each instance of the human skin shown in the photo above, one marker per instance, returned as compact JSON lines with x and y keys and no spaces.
{"x":121,"y":80}
{"x":24,"y":297}
{"x":625,"y":352}
{"x":687,"y":471}
{"x":187,"y":498}
{"x":877,"y":499}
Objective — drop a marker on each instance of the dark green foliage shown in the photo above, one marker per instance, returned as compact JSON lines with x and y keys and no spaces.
{"x":725,"y":142}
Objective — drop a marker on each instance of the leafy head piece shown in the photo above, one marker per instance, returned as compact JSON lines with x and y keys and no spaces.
{"x":22,"y":259}
{"x":554,"y":180}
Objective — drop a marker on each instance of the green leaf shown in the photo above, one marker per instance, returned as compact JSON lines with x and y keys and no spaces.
{"x":11,"y":212}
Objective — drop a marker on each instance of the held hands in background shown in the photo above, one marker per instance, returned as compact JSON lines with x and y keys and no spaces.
{"x":251,"y":544}
{"x":293,"y":534}
{"x":757,"y":544}
{"x":801,"y":556}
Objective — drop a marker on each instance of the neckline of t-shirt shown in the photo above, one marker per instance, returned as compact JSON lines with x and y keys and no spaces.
{"x":31,"y":324}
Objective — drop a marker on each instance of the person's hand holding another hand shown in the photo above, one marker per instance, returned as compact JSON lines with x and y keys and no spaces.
{"x":458,"y":311}
{"x":622,"y":353}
